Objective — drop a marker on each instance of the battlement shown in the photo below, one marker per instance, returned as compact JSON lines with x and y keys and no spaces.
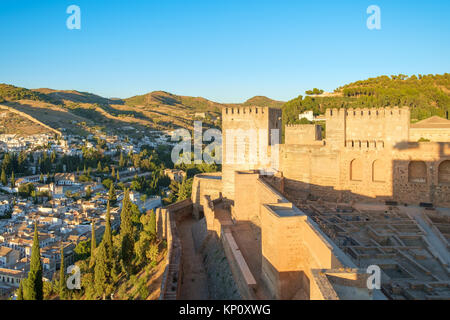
{"x":243,"y":112}
{"x":364,"y":144}
{"x":368,"y":113}
{"x":335,"y":113}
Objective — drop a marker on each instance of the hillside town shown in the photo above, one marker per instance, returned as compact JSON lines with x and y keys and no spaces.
{"x":63,"y":185}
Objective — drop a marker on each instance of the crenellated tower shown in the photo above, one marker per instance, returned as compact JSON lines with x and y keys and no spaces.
{"x":248,"y":134}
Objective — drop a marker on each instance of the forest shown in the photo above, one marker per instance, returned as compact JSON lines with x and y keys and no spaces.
{"x":426,"y":95}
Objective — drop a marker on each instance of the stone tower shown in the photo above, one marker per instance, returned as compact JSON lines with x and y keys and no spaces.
{"x":248,"y":137}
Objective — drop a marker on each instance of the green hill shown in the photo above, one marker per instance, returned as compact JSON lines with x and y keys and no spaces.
{"x":426,"y":95}
{"x":11,"y":93}
{"x":262,"y":101}
{"x":156,"y":98}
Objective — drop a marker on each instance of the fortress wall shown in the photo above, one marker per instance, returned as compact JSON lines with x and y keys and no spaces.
{"x":205,"y":184}
{"x":292,"y":248}
{"x":303,"y":134}
{"x":335,"y":128}
{"x":295,"y":164}
{"x":239,"y":124}
{"x":244,"y":278}
{"x":432,"y":134}
{"x":247,"y":205}
{"x":310,"y":169}
{"x":390,"y":125}
{"x":365,"y":174}
{"x":430,"y":189}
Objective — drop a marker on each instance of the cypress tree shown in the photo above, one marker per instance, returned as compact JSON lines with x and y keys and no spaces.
{"x":20,"y":291}
{"x":13,"y":181}
{"x":126,"y":233}
{"x":62,"y":278}
{"x":34,"y":284}
{"x":102,"y":271}
{"x":93,"y":244}
{"x":112,"y":194}
{"x":113,"y":173}
{"x":99,"y":167}
{"x":107,"y":237}
{"x":4,"y":180}
{"x":118,"y":177}
{"x":152,"y":224}
{"x":121,"y":161}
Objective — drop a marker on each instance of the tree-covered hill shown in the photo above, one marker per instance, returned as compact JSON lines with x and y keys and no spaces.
{"x":11,"y":93}
{"x":426,"y":95}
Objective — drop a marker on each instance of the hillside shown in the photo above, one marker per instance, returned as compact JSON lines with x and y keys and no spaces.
{"x":12,"y":123}
{"x":260,"y":101}
{"x":162,"y":98}
{"x":426,"y":96}
{"x":82,"y":112}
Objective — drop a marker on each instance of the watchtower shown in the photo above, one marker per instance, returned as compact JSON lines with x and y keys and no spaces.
{"x":248,"y":137}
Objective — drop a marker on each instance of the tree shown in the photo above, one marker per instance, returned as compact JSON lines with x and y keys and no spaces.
{"x":34,"y":284}
{"x":112,"y":194}
{"x":93,"y":244}
{"x":126,"y":234}
{"x":3,"y":178}
{"x":149,"y":223}
{"x":19,"y":291}
{"x":99,"y":167}
{"x":107,"y":237}
{"x":122,"y":162}
{"x":13,"y":181}
{"x":88,"y":192}
{"x":102,"y":273}
{"x":185,"y":189}
{"x":62,"y":278}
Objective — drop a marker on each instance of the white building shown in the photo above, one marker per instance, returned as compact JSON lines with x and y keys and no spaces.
{"x":309,"y":115}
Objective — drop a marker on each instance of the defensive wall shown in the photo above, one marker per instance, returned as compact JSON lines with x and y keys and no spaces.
{"x":368,"y":155}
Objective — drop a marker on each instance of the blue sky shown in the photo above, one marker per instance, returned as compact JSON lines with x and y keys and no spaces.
{"x":223,"y":50}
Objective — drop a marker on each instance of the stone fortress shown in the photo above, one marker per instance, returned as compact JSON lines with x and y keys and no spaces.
{"x":368,"y":194}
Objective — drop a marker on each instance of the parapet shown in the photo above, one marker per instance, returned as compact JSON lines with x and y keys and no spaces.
{"x":247,"y":112}
{"x":368,"y":113}
{"x":335,"y":113}
{"x":374,"y":113}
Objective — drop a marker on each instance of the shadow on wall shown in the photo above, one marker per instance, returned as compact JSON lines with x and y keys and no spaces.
{"x":420,"y":175}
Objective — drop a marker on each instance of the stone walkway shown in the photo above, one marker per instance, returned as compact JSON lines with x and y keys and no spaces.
{"x":194,"y":284}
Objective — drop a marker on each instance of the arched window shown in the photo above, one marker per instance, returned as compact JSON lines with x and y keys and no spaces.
{"x":444,"y":172}
{"x":356,"y":170}
{"x":417,"y":172}
{"x":379,"y":171}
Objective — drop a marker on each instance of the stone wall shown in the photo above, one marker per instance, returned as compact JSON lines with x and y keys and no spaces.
{"x":247,"y":205}
{"x":432,"y":134}
{"x":205,"y":184}
{"x":166,"y":226}
{"x":362,"y":160}
{"x":238,"y":125}
{"x":305,"y":134}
